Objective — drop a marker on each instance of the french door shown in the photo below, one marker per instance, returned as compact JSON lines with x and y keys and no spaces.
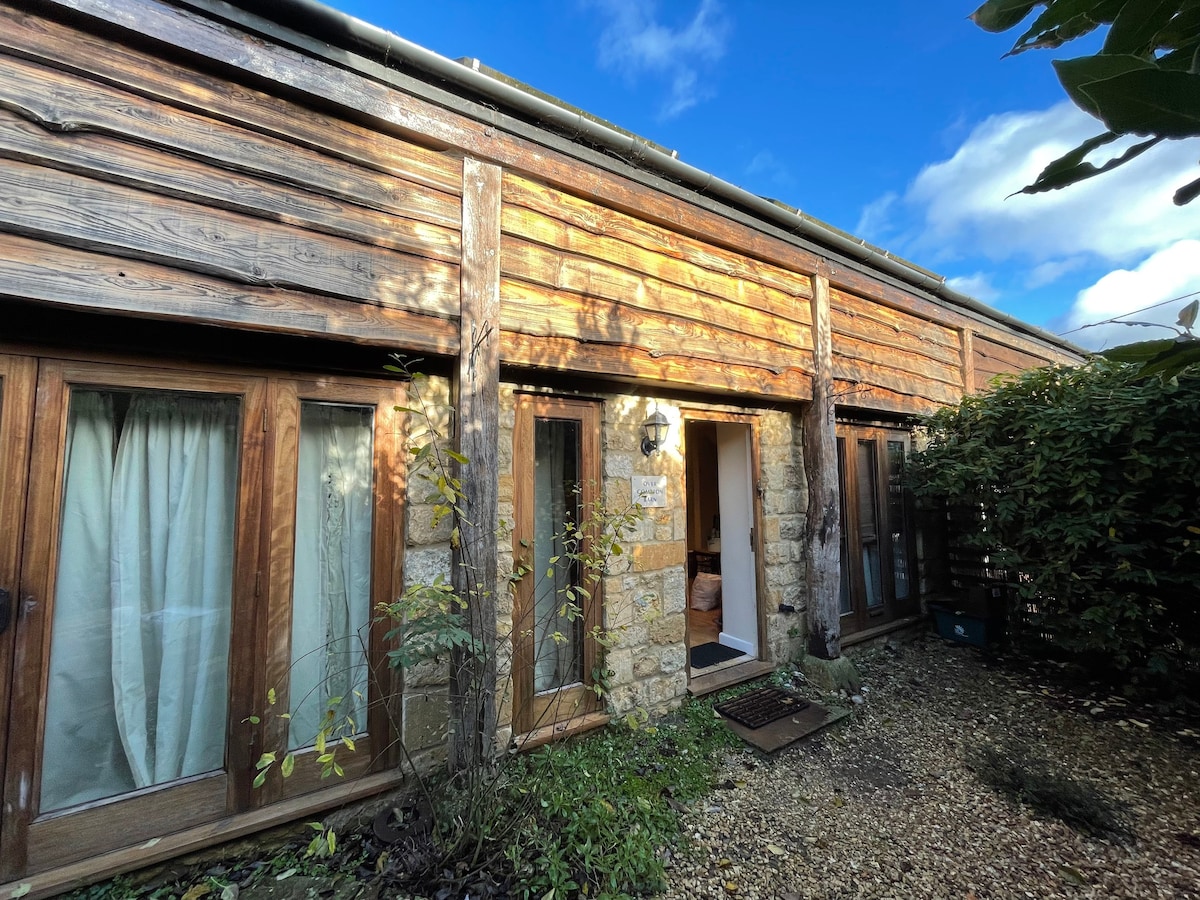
{"x":878,"y":547}
{"x":185,"y":545}
{"x":556,"y":468}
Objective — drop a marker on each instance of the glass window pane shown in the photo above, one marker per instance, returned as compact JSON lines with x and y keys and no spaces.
{"x":868,"y":525}
{"x":138,"y":678}
{"x":331,"y":588}
{"x":558,"y":624}
{"x":897,"y":526}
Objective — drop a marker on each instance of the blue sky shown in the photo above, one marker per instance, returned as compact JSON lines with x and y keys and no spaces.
{"x":897,"y":122}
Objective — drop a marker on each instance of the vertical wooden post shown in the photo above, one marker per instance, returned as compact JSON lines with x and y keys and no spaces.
{"x":477,"y":429}
{"x":966,"y":339}
{"x":824,"y":527}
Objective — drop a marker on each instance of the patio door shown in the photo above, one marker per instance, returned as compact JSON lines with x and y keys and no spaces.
{"x":878,"y":559}
{"x":137,"y":561}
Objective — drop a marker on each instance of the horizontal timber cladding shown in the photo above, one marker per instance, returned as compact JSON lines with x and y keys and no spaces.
{"x":993,"y":358}
{"x":877,"y":346}
{"x":622,"y":296}
{"x":64,"y":276}
{"x":183,"y":196}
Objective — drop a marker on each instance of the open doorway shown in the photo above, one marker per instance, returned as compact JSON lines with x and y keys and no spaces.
{"x":723,"y":609}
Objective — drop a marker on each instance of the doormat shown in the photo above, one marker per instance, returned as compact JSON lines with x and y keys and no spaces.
{"x":755,"y":709}
{"x":705,"y":655}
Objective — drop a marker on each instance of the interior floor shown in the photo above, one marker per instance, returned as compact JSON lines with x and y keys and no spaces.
{"x":703,"y":627}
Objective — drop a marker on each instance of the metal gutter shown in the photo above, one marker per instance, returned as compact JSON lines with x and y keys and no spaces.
{"x":349,"y":33}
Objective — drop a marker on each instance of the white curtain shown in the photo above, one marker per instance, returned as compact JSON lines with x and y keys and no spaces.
{"x":144,"y":593}
{"x":556,"y":661}
{"x":331,"y":593}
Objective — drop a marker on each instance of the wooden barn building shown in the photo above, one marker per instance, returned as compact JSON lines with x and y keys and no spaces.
{"x":215,"y":230}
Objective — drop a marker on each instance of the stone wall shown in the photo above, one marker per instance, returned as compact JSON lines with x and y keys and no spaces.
{"x":425,"y":704}
{"x":645,"y":588}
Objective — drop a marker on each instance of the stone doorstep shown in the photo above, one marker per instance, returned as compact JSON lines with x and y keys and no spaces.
{"x":728,"y":676}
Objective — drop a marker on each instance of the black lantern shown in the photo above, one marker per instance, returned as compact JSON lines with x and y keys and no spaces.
{"x":656,"y":428}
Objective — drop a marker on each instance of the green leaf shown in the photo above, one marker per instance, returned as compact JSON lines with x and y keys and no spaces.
{"x":288,"y":765}
{"x":265,"y":760}
{"x":1137,"y":25}
{"x":1141,"y":352}
{"x":1136,"y":100}
{"x":1187,"y":193}
{"x":260,"y":779}
{"x":271,"y":696}
{"x":1077,"y":74}
{"x":1000,"y":15}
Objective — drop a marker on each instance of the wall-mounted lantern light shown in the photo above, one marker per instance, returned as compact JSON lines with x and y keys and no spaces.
{"x":656,"y":428}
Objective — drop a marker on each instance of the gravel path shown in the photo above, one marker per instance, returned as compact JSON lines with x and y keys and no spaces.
{"x":884,"y":805}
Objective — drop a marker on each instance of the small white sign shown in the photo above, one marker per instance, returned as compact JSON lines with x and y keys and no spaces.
{"x":650,"y":490}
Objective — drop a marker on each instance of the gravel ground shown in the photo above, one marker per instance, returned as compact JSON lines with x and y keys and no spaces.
{"x":885,"y":806}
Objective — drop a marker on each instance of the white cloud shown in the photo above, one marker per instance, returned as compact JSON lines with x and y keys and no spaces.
{"x":1118,"y":217}
{"x":1170,"y":273}
{"x":768,"y":166}
{"x":876,"y":218}
{"x":635,"y":42}
{"x":1050,"y":272}
{"x":978,"y":285}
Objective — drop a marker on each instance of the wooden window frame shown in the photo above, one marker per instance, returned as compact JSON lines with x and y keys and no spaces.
{"x":376,"y":748}
{"x":535,"y":711}
{"x":860,"y":617}
{"x":37,"y":842}
{"x":31,"y":484}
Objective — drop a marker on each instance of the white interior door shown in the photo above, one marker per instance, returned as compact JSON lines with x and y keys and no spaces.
{"x":739,"y":594}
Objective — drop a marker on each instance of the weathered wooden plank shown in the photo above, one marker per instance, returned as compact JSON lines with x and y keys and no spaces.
{"x":400,"y":113}
{"x":143,"y":167}
{"x":591,"y":278}
{"x":885,"y":295}
{"x":549,"y":216}
{"x":823,"y":531}
{"x":65,"y":103}
{"x":35,"y":270}
{"x":477,"y":433}
{"x":92,"y":214}
{"x":993,"y":357}
{"x":214,"y":96}
{"x":607,"y":361}
{"x":404,"y":114}
{"x":874,"y":321}
{"x":861,"y":372}
{"x":537,"y":311}
{"x":549,"y":233}
{"x":854,"y":398}
{"x":907,"y":363}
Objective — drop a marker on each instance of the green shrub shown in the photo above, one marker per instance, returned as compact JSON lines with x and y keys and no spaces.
{"x":1088,"y":485}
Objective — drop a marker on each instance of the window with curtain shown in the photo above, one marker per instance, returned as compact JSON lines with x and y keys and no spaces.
{"x":331,"y":588}
{"x":137,"y":688}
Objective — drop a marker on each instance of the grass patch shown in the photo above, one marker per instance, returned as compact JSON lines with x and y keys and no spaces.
{"x":1032,"y":781}
{"x":606,"y":806}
